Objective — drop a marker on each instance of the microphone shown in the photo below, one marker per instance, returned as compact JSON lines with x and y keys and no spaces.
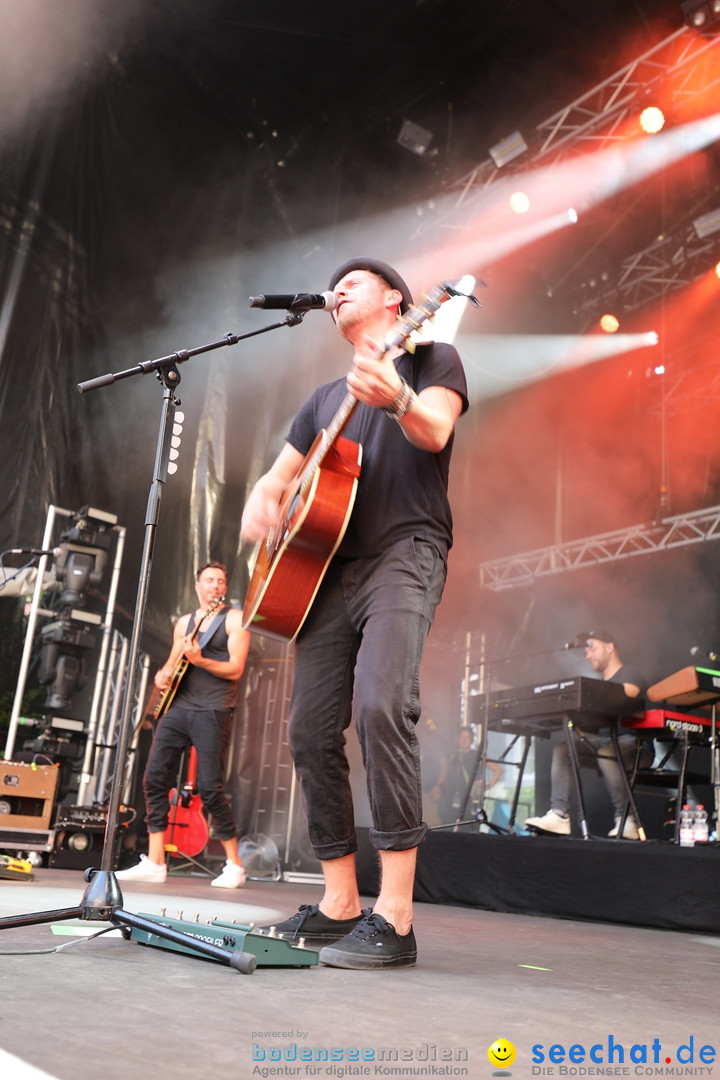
{"x":296,"y":301}
{"x":34,"y":551}
{"x":697,"y":651}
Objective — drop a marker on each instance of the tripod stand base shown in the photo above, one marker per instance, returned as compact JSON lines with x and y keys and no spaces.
{"x":175,"y":852}
{"x":102,"y":902}
{"x":480,"y":819}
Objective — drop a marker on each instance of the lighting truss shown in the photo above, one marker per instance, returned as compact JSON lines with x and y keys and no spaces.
{"x":672,"y":532}
{"x":684,"y":65}
{"x":683,"y":391}
{"x":668,"y":264}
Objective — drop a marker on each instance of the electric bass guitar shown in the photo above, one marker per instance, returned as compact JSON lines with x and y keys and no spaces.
{"x":182,"y":665}
{"x":188,"y":832}
{"x":315,"y":510}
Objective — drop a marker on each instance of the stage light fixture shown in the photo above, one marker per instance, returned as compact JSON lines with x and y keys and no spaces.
{"x":83,"y":554}
{"x":519,"y":202}
{"x":652,"y":119}
{"x":507,"y":150}
{"x":708,"y":223}
{"x":64,"y":663}
{"x":609,"y":323}
{"x":701,"y":14}
{"x":414,"y":138}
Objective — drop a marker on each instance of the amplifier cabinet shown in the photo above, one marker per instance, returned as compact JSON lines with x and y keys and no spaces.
{"x":80,"y":838}
{"x":27,"y":794}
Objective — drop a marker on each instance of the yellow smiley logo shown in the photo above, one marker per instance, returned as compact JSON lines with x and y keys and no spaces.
{"x":501,"y":1053}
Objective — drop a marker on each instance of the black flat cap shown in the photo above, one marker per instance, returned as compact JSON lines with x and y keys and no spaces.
{"x":383,"y":270}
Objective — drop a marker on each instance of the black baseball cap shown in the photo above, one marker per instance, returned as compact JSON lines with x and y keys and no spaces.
{"x":598,"y":635}
{"x":383,"y":270}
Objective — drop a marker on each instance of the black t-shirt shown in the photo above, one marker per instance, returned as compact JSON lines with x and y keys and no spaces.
{"x":633,"y":675}
{"x":402,"y":490}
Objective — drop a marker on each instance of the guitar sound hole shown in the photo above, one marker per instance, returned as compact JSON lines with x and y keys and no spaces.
{"x":293,"y":506}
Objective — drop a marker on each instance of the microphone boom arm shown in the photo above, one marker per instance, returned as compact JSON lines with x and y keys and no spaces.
{"x":165,"y":367}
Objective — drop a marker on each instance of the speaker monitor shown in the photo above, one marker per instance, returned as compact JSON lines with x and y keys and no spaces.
{"x":80,"y":837}
{"x":78,"y":847}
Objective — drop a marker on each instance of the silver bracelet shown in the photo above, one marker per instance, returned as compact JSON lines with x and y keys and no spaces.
{"x":397,"y":408}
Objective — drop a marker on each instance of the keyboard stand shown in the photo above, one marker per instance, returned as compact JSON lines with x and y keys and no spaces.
{"x":570,"y":727}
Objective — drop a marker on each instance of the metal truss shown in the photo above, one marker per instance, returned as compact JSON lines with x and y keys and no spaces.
{"x":669,"y":264}
{"x":684,"y":64}
{"x":672,"y":532}
{"x":683,"y":390}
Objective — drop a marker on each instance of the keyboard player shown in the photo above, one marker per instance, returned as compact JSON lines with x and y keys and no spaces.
{"x":595,"y":750}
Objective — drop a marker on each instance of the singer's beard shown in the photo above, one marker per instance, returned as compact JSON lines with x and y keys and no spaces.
{"x":352,"y":313}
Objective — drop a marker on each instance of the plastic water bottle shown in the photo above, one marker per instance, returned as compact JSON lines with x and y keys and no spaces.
{"x":687,"y":832}
{"x":700,"y":825}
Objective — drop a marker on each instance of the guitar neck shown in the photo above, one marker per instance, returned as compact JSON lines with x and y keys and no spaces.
{"x":318,"y":455}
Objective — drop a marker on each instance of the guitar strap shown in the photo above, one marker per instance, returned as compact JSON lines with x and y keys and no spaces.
{"x":214,"y":625}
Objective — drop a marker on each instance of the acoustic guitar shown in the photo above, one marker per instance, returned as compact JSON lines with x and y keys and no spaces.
{"x":180,"y":669}
{"x":188,"y":831}
{"x":315,"y":510}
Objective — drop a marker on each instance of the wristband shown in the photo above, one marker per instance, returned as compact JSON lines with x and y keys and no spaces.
{"x":397,"y":408}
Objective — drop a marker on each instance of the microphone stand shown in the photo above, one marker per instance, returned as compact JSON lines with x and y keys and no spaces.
{"x":102,"y":900}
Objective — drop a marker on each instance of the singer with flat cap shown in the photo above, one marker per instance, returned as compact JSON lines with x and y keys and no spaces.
{"x":358,"y":653}
{"x":594,"y":750}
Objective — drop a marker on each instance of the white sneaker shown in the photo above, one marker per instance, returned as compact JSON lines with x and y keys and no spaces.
{"x":551,"y":822}
{"x":145,"y":870}
{"x":232,"y":877}
{"x":630,"y":829}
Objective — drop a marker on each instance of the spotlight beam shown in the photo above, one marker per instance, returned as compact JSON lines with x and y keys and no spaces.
{"x":500,"y":363}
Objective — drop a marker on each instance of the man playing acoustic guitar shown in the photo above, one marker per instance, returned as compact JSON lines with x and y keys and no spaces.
{"x":358,"y":651}
{"x":199,"y":681}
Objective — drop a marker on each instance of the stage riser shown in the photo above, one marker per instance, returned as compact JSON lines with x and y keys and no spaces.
{"x":651,"y":884}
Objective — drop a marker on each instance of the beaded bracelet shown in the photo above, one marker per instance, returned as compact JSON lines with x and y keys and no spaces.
{"x":397,"y":408}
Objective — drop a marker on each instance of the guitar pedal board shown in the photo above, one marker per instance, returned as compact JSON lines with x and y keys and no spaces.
{"x":268,"y":950}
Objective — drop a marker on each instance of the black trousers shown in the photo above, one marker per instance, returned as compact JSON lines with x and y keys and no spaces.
{"x":209,"y":732}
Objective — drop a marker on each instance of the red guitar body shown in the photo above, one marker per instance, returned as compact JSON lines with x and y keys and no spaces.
{"x":187,"y":829}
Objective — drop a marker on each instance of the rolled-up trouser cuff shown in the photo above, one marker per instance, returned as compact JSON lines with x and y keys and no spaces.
{"x":398,"y":841}
{"x":336,"y":850}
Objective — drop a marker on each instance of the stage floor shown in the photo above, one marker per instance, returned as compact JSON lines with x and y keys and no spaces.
{"x":83,"y":1009}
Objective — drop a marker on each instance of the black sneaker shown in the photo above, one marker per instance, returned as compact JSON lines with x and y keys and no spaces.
{"x":310,"y":923}
{"x":372,"y":944}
